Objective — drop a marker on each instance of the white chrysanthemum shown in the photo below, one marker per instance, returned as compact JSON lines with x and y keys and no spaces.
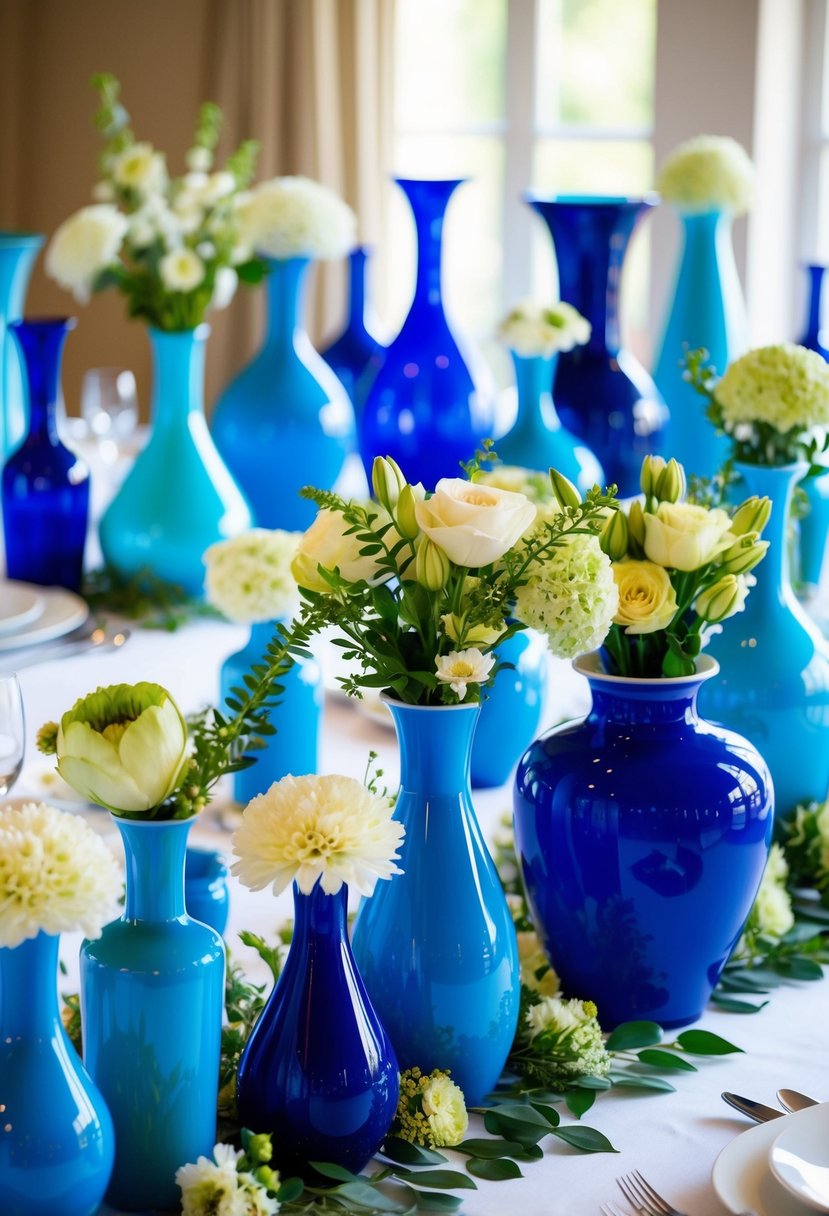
{"x":295,"y":217}
{"x":256,"y":1199}
{"x":83,"y":246}
{"x":568,"y":1036}
{"x":772,"y":912}
{"x":460,"y":668}
{"x":786,"y":386}
{"x":445,"y":1110}
{"x":210,"y":1188}
{"x":537,"y":329}
{"x":708,"y":172}
{"x":571,"y":597}
{"x":326,"y":828}
{"x":181,"y":270}
{"x":249,"y":576}
{"x":140,"y":168}
{"x":56,"y":875}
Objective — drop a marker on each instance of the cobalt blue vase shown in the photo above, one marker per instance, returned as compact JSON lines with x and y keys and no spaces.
{"x":18,"y":253}
{"x":773,"y":684}
{"x":436,"y":946}
{"x":285,"y":421}
{"x":601,"y":391}
{"x":45,"y":486}
{"x":57,"y":1143}
{"x":431,"y":403}
{"x":813,"y":335}
{"x":814,"y":526}
{"x":356,"y":354}
{"x":642,"y":833}
{"x":511,"y":708}
{"x":319,"y":1071}
{"x":152,"y":989}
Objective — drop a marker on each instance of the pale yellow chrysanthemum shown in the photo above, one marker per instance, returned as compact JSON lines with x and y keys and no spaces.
{"x":289,"y":217}
{"x":706,"y":173}
{"x":538,"y":329}
{"x":785,"y":386}
{"x":445,"y":1109}
{"x":248,"y":578}
{"x":536,"y":972}
{"x":571,"y":597}
{"x":567,"y":1034}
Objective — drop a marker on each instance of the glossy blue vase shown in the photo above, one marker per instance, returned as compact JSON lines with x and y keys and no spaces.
{"x":356,"y":354}
{"x":45,"y":486}
{"x":152,"y":989}
{"x":511,"y":709}
{"x":431,"y":403}
{"x":57,"y":1146}
{"x":601,"y":391}
{"x":436,"y":947}
{"x":285,"y":421}
{"x":538,"y":440}
{"x":642,"y":833}
{"x":18,"y":253}
{"x":814,"y":333}
{"x":178,"y":498}
{"x":319,"y":1071}
{"x":205,"y":888}
{"x":297,"y":718}
{"x":773,"y":684}
{"x":814,"y":526}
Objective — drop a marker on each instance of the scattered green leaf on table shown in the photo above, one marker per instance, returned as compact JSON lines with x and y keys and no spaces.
{"x":588,"y":1139}
{"x":705,"y":1043}
{"x":630,"y":1035}
{"x":579,"y":1101}
{"x":441,"y":1179}
{"x":496,"y":1169}
{"x":429,"y":1202}
{"x":730,"y":1004}
{"x":632,"y":1080}
{"x":405,"y":1153}
{"x":665,"y":1059}
{"x":489,"y":1148}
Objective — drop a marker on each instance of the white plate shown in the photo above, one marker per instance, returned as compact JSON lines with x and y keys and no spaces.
{"x":62,"y":612}
{"x":742,"y":1175}
{"x":799,"y":1158}
{"x":20,"y":604}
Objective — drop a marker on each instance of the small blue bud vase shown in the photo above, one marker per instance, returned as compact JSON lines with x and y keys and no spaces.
{"x":205,"y":888}
{"x":642,"y":833}
{"x":814,"y":526}
{"x":152,"y":990}
{"x":319,"y":1072}
{"x":511,"y":708}
{"x":773,"y":684}
{"x":357,"y":354}
{"x":57,"y":1144}
{"x":436,"y":946}
{"x":285,"y":421}
{"x":18,"y":253}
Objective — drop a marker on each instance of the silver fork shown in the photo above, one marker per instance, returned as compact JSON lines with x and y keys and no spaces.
{"x":641,"y":1195}
{"x":610,"y":1209}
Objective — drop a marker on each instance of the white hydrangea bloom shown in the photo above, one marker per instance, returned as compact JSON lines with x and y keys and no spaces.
{"x":248,"y":578}
{"x":572,"y":597}
{"x":785,"y":386}
{"x":83,"y":246}
{"x":295,"y":217}
{"x":537,"y":329}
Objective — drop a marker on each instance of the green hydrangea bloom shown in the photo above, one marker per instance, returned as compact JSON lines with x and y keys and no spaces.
{"x":709,"y":172}
{"x":571,"y":597}
{"x":785,"y":387}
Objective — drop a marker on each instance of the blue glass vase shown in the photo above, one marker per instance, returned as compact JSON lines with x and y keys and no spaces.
{"x":431,"y":403}
{"x":295,"y":746}
{"x":57,"y":1143}
{"x":205,"y":888}
{"x":285,"y":421}
{"x":773,"y":684}
{"x":319,"y":1071}
{"x":178,"y":498}
{"x":436,"y":947}
{"x":45,"y":486}
{"x":152,"y":988}
{"x":642,"y":833}
{"x":602,"y":392}
{"x":356,"y":354}
{"x":537,"y":439}
{"x":18,"y":253}
{"x":814,"y":526}
{"x":511,"y":708}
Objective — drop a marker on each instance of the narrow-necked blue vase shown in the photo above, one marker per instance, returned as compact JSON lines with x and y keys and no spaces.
{"x":319,"y":1071}
{"x":436,"y":947}
{"x":814,"y":526}
{"x":356,"y":354}
{"x":205,"y":888}
{"x":285,"y":421}
{"x":511,"y":709}
{"x":642,"y":833}
{"x":57,"y":1143}
{"x":18,"y":253}
{"x":152,"y":989}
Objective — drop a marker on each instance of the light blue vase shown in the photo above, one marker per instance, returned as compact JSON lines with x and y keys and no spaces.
{"x":511,"y":708}
{"x":152,"y":988}
{"x":436,"y":946}
{"x":707,"y":309}
{"x":178,"y":498}
{"x":773,"y":685}
{"x":56,"y":1142}
{"x":295,"y":746}
{"x":18,"y":252}
{"x":286,"y":420}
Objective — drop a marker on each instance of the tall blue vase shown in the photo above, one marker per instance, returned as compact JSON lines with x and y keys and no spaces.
{"x":773,"y":684}
{"x":18,"y":252}
{"x":436,"y":947}
{"x":814,"y":526}
{"x":642,"y":833}
{"x":511,"y":708}
{"x":356,"y":354}
{"x":537,"y":439}
{"x":178,"y":498}
{"x":152,"y":989}
{"x":45,"y":486}
{"x":295,"y":746}
{"x":319,"y":1071}
{"x":57,"y":1143}
{"x":602,"y":392}
{"x":707,"y":309}
{"x":285,"y":421}
{"x":431,"y":403}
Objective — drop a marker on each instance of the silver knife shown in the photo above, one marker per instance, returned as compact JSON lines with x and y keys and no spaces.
{"x":755,"y":1110}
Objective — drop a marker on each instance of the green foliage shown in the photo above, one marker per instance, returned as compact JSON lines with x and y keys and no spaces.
{"x":143,"y":597}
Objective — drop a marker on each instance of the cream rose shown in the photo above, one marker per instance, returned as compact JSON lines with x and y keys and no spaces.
{"x":682,"y":536}
{"x":83,"y":246}
{"x":474,"y":524}
{"x":181,"y":270}
{"x":325,"y":544}
{"x":647,"y":600}
{"x":139,"y":167}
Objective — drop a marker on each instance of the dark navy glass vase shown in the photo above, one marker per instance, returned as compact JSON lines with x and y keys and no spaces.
{"x":45,"y":486}
{"x":814,"y":526}
{"x":642,"y":833}
{"x":601,"y":391}
{"x":356,"y":354}
{"x":431,"y":403}
{"x":319,"y":1071}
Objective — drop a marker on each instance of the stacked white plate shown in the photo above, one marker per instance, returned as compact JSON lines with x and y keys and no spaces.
{"x":779,"y":1168}
{"x":30,"y":614}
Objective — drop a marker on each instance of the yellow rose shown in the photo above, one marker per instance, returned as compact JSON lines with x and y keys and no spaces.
{"x":474,"y":524}
{"x":682,"y":536}
{"x":647,"y":600}
{"x":325,"y":544}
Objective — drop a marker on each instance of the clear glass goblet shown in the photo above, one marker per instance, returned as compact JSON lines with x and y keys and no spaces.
{"x":12,"y":732}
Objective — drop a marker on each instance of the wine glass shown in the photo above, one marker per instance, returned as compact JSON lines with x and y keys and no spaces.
{"x":109,"y":407}
{"x":12,"y":732}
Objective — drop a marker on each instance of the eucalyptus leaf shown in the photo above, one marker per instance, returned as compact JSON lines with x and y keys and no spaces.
{"x":705,"y":1043}
{"x":665,"y":1059}
{"x":579,"y":1101}
{"x":441,"y":1180}
{"x":588,"y":1139}
{"x":550,"y":1114}
{"x":597,"y":1083}
{"x":329,"y":1170}
{"x":405,"y":1153}
{"x":488,"y":1148}
{"x":363,"y":1193}
{"x":530,"y":1152}
{"x":630,"y":1080}
{"x":630,"y":1035}
{"x":290,"y":1189}
{"x":438,"y":1203}
{"x":798,"y":968}
{"x":732,"y":1005}
{"x":495,"y":1170}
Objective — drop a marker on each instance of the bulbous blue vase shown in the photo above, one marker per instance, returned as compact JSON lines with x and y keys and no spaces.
{"x":297,"y":718}
{"x":511,"y":708}
{"x":431,"y":403}
{"x":45,"y":486}
{"x":601,"y":391}
{"x":642,"y":833}
{"x":773,"y":684}
{"x":319,"y":1071}
{"x":285,"y":421}
{"x":814,"y":526}
{"x":18,"y":253}
{"x":178,"y":498}
{"x":356,"y":354}
{"x":152,"y":989}
{"x":706,"y":309}
{"x":57,"y":1146}
{"x":436,"y":947}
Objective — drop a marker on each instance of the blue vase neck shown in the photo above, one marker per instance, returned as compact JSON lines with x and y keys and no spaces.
{"x":41,"y":345}
{"x":320,"y":936}
{"x":285,"y":290}
{"x":18,"y":251}
{"x":533,"y":382}
{"x":435,"y":747}
{"x":29,"y":987}
{"x":261,"y":634}
{"x":178,"y":381}
{"x":357,"y":289}
{"x":646,"y":702}
{"x":428,"y":201}
{"x":811,"y":337}
{"x":773,"y":585}
{"x":155,"y":853}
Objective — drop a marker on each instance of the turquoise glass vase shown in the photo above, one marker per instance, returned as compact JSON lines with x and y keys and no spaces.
{"x":152,"y":988}
{"x":707,"y":310}
{"x":511,"y":708}
{"x":773,"y":685}
{"x":57,"y":1143}
{"x":178,"y":498}
{"x":436,"y":947}
{"x":18,"y":253}
{"x":286,"y":420}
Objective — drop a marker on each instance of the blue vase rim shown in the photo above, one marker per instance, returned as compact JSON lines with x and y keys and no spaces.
{"x":793,"y":468}
{"x":590,"y":665}
{"x":650,"y":198}
{"x":430,"y":181}
{"x":50,"y":322}
{"x":813,"y":264}
{"x":395,"y":702}
{"x":199,"y":332}
{"x":26,"y":240}
{"x":298,"y":259}
{"x":148,"y":824}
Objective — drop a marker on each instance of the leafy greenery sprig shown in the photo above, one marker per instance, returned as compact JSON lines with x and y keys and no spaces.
{"x":143,"y":597}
